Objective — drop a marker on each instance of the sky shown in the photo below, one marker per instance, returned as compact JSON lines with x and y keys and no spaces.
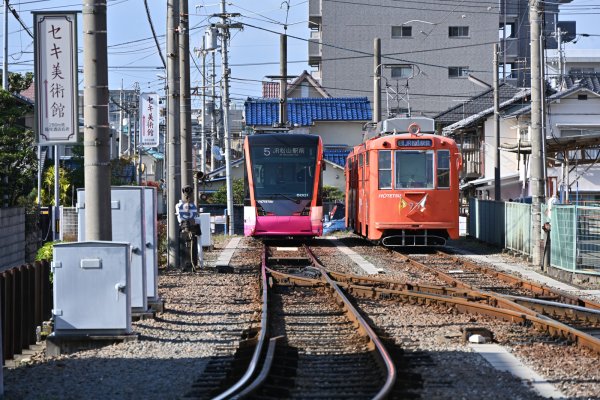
{"x":254,"y":51}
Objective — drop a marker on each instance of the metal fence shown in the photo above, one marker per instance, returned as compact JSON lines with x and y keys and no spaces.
{"x":575,"y":238}
{"x":574,"y":235}
{"x":518,"y":227}
{"x":486,"y":221}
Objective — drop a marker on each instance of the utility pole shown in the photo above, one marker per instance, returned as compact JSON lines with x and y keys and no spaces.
{"x":121,"y":120}
{"x":213,"y":116}
{"x":173,"y":135}
{"x":537,"y":161}
{"x":203,"y":133}
{"x":497,"y":181}
{"x":225,"y":111}
{"x":5,"y":39}
{"x":560,"y":56}
{"x":185,"y":110}
{"x":96,"y":137}
{"x":377,"y":80}
{"x":283,"y":118}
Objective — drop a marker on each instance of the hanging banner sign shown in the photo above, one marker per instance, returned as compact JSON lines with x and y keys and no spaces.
{"x":56,"y":83}
{"x":149,"y":123}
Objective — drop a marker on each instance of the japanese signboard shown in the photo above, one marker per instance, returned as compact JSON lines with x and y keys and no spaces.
{"x":56,"y":77}
{"x":149,"y":124}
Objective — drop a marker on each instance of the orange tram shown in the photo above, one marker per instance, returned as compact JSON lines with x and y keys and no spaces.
{"x":402,"y":188}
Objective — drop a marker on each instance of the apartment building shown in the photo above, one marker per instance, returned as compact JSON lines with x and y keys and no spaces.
{"x":429,"y":48}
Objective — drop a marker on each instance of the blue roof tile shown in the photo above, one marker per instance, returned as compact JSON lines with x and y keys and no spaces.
{"x":305,"y":111}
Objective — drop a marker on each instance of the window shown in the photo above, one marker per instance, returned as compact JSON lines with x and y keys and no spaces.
{"x":458,"y":72}
{"x":414,"y":169}
{"x":458,"y":31}
{"x":582,"y":97}
{"x":443,"y":169}
{"x":402,"y":71}
{"x":510,"y":30}
{"x":401,"y":32}
{"x":385,"y":169}
{"x":511,"y":72}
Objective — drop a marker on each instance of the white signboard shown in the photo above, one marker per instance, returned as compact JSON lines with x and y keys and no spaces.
{"x":56,"y":77}
{"x":149,"y":120}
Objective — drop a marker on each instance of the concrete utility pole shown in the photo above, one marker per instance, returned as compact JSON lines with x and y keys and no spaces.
{"x":225,"y":111}
{"x":537,"y":151}
{"x":186,"y":104}
{"x":497,"y":179}
{"x":96,"y":134}
{"x":121,"y":120}
{"x":203,"y":133}
{"x":283,"y":117}
{"x":559,"y":34}
{"x":213,"y":116}
{"x":5,"y":39}
{"x":173,"y":135}
{"x":377,"y":80}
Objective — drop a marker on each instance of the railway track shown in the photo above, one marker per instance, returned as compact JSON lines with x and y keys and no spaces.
{"x":312,"y":343}
{"x":580,"y":313}
{"x":563,"y":320}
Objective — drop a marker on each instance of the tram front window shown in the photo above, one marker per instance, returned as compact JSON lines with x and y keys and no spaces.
{"x":290,"y":175}
{"x":414,"y":169}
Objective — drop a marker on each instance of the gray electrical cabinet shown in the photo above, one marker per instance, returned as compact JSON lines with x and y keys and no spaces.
{"x":91,"y":282}
{"x":128,"y":225}
{"x":151,"y":247}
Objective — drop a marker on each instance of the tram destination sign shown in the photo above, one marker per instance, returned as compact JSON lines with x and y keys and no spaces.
{"x":286,"y":151}
{"x":414,"y":143}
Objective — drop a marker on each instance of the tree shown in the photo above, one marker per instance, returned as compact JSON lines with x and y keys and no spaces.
{"x":48,"y":186}
{"x":18,"y":158}
{"x":220,"y":196}
{"x":332,"y":193}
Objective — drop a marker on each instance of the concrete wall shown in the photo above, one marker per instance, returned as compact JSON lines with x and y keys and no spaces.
{"x":12,"y":237}
{"x":351,"y":27}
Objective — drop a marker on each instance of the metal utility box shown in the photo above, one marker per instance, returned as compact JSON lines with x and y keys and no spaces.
{"x":127,"y":216}
{"x":151,"y":247}
{"x":205,"y":232}
{"x":92,"y":288}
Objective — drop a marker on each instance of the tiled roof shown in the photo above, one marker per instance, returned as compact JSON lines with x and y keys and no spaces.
{"x":337,"y":156}
{"x":304,"y":111}
{"x":29,"y":92}
{"x":521,"y":95}
{"x":590,"y":81}
{"x":475,"y":105}
{"x":270,"y":90}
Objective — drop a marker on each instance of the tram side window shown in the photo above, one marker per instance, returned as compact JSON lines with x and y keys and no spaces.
{"x":385,"y":169}
{"x":443,"y":169}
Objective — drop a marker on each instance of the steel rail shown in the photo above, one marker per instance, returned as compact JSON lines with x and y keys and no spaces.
{"x":544,"y":291}
{"x":244,"y":381}
{"x":553,"y":308}
{"x":384,"y":356}
{"x":504,"y":309}
{"x":264,"y":372}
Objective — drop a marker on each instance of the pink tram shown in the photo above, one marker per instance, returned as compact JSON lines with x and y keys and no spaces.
{"x":283,"y":183}
{"x":402,"y":189}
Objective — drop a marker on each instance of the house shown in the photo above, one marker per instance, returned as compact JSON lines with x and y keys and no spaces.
{"x":571,"y":132}
{"x":475,"y":137}
{"x":572,"y":140}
